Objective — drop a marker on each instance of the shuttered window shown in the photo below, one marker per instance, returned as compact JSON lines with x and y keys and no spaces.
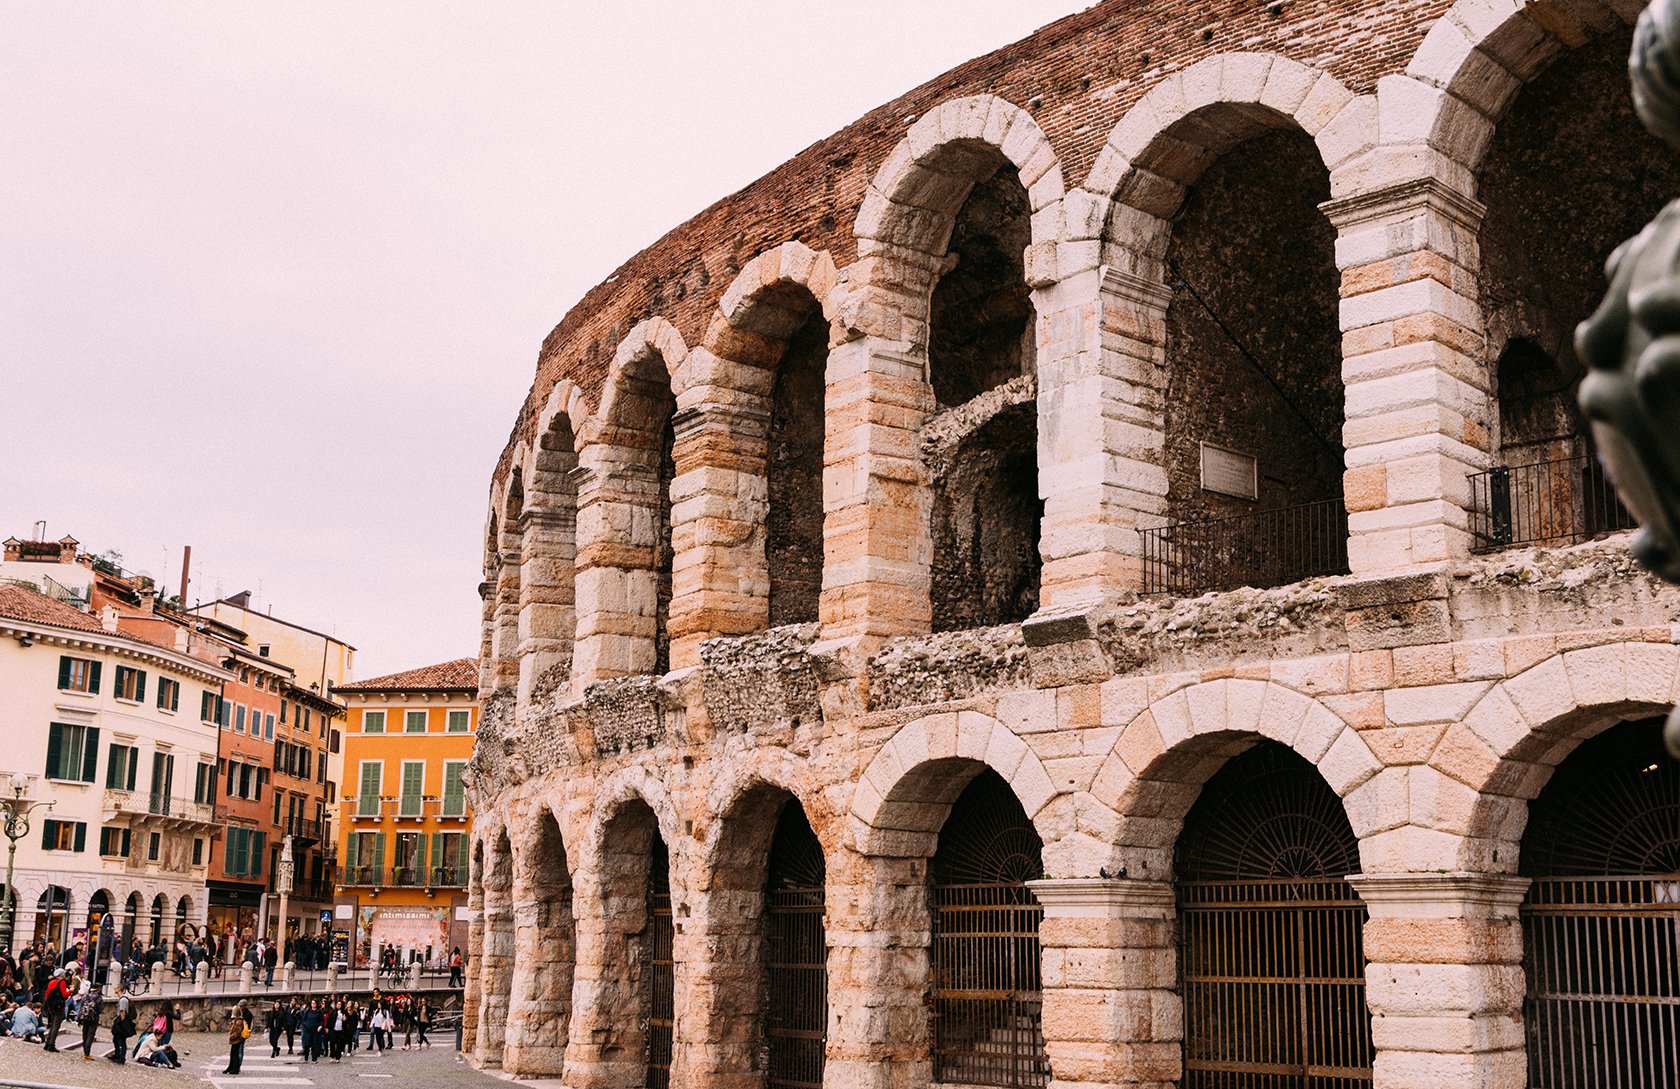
{"x":78,"y":674}
{"x":460,"y":721}
{"x":114,"y":842}
{"x":131,"y":684}
{"x":367,"y":800}
{"x":413,"y":776}
{"x":454,"y":793}
{"x":120,"y":763}
{"x":63,"y":835}
{"x":168,"y":694}
{"x":72,"y":752}
{"x":373,"y":722}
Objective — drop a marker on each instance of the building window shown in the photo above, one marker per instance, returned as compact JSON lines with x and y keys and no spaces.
{"x":284,"y":707}
{"x":169,"y":694}
{"x":413,"y":777}
{"x":114,"y":842}
{"x":367,"y":799}
{"x":78,"y":674}
{"x":262,"y":650}
{"x":154,"y":846}
{"x":460,"y":721}
{"x":268,"y":726}
{"x":414,"y":722}
{"x":72,"y":752}
{"x":366,"y":857}
{"x":333,"y":745}
{"x":239,"y":718}
{"x":262,"y":780}
{"x":449,"y":858}
{"x":63,"y":835}
{"x":207,"y":706}
{"x":198,"y":852}
{"x":373,"y":722}
{"x":245,"y":781}
{"x":163,"y":780}
{"x":244,"y":852}
{"x":119,"y":767}
{"x":204,"y":784}
{"x":454,"y":793}
{"x":224,"y":713}
{"x":131,"y":684}
{"x":278,"y":794}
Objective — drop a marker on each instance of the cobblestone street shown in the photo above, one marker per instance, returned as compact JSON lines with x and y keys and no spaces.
{"x":204,"y":1056}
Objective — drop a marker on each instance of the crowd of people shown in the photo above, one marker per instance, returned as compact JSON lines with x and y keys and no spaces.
{"x":334,"y":1027}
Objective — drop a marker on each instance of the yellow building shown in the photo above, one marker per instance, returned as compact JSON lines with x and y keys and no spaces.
{"x":403,"y":819}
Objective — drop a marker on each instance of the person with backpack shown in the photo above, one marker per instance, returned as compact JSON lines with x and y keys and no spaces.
{"x":122,"y":1029}
{"x":90,"y":1003}
{"x":57,"y":997}
{"x":239,"y":1030}
{"x":455,"y":964}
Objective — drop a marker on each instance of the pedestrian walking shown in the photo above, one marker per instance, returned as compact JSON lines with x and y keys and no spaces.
{"x":239,"y":1030}
{"x":122,"y":1029}
{"x":276,"y":1025}
{"x":58,"y":996}
{"x":90,"y":1003}
{"x":455,"y":964}
{"x":422,"y":1021}
{"x":293,"y":1012}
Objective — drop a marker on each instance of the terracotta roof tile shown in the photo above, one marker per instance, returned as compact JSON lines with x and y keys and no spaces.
{"x":31,"y":606}
{"x":462,"y":674}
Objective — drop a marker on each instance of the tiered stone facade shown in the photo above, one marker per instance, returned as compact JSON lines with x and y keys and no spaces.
{"x":634,"y":694}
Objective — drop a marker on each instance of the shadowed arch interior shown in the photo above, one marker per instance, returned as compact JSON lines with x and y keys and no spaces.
{"x":548,"y":614}
{"x":794,"y":519}
{"x":634,"y":986}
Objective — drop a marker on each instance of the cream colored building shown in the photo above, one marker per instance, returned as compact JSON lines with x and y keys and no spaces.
{"x":118,"y":733}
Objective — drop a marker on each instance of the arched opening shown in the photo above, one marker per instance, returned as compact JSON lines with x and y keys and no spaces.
{"x":1601,"y":921}
{"x":159,"y":907}
{"x":131,"y":919}
{"x":1254,"y":399}
{"x":547,"y":607}
{"x":1568,"y":176}
{"x":52,"y":915}
{"x":1272,"y":963}
{"x":794,"y":519}
{"x":544,"y":957}
{"x":985,"y":963}
{"x":99,"y":905}
{"x":510,"y":545}
{"x":795,"y":1012}
{"x":634,"y":990}
{"x":183,"y":915}
{"x":982,"y":448}
{"x":496,"y":959}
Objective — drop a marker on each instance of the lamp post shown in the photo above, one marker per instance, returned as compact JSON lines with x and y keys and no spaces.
{"x":16,"y":805}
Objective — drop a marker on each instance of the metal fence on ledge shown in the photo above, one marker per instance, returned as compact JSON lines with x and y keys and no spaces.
{"x":1262,"y":548}
{"x":1558,"y":502}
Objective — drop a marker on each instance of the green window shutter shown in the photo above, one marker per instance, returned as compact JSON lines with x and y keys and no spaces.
{"x":412,"y":776}
{"x":258,"y":848}
{"x":350,"y":850}
{"x":90,"y":756}
{"x":81,"y":835}
{"x":454,"y":796}
{"x":420,"y":856}
{"x":47,"y":829}
{"x":125,"y":841}
{"x":140,"y":685}
{"x":378,"y":851}
{"x":64,"y":671}
{"x":55,"y":748}
{"x":93,"y":677}
{"x":438,"y":862}
{"x":133,"y":766}
{"x":113,"y":775}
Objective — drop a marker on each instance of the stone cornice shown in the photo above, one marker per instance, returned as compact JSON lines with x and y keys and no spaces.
{"x":1134,"y":289}
{"x":115,"y":643}
{"x":1439,"y":895}
{"x":1403,"y":198}
{"x":1102,"y":897}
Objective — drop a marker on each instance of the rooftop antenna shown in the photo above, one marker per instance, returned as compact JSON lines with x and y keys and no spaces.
{"x":41,"y":529}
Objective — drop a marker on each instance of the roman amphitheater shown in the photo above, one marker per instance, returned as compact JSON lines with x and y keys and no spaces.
{"x":1093,"y":576}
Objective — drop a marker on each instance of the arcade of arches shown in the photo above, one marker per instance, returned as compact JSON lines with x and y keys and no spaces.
{"x":1096,"y":581}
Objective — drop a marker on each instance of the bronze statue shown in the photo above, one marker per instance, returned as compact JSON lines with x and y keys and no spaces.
{"x":1632,"y":342}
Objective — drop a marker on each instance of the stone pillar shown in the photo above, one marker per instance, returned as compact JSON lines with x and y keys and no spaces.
{"x":617,"y":584}
{"x":878,"y":932}
{"x":333,"y":970}
{"x":538,"y":994}
{"x":1419,"y":412}
{"x":877,"y":544}
{"x":547,"y":618}
{"x":720,"y":584}
{"x":201,"y":977}
{"x":1444,"y":979}
{"x":495,"y":971}
{"x":246,"y":973}
{"x":1101,"y":441}
{"x":472,"y":995}
{"x":1112,"y":1013}
{"x":605,"y":1047}
{"x":717,"y":950}
{"x":506,"y":637}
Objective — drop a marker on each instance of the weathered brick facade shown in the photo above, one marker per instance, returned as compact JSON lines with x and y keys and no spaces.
{"x":1188,"y":184}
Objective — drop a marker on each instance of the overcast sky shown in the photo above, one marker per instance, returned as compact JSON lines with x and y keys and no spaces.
{"x":273,"y":276}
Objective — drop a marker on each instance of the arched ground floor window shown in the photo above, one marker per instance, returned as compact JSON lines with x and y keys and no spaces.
{"x":795,"y":956}
{"x":1601,"y":922}
{"x":661,"y":1000}
{"x":1270,"y":932}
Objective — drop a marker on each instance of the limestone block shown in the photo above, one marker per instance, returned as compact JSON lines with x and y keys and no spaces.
{"x":1434,"y":703}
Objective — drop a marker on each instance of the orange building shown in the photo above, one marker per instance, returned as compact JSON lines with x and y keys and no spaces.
{"x":240,"y":872}
{"x":404,"y":824}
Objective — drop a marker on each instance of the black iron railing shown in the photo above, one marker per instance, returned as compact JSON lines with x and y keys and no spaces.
{"x":1262,"y":548}
{"x":1550,"y":502}
{"x":414,"y":877}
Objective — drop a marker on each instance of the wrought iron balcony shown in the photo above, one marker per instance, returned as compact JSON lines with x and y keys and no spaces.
{"x":302,"y":830}
{"x":1555,"y":502}
{"x":143,"y":805}
{"x":405,"y":877}
{"x":1262,"y":548}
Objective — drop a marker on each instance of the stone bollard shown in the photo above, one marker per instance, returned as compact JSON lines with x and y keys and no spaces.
{"x":288,"y":976}
{"x":201,"y":977}
{"x":414,"y":976}
{"x":157,"y":977}
{"x":332,"y":978}
{"x":246,"y":972}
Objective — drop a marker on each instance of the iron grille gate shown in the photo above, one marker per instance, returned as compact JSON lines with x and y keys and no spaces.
{"x":660,"y":971}
{"x":987,"y":994}
{"x":1274,"y":985}
{"x":1271,"y":949}
{"x":795,"y":957}
{"x":1603,"y":1005}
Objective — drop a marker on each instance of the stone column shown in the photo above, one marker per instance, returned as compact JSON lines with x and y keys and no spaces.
{"x":720,"y":584}
{"x":506,"y":635}
{"x":1419,"y":412}
{"x":472,"y":994}
{"x":877,"y":544}
{"x":495,"y":975}
{"x":617,"y":570}
{"x":878,"y":932}
{"x":538,"y":994}
{"x":546,"y":615}
{"x":1101,"y":443}
{"x":605,"y":1048}
{"x":719,"y":971}
{"x":1112,"y":1013}
{"x":1444,"y":979}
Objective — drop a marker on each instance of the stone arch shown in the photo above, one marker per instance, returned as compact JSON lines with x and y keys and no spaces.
{"x":507,"y":532}
{"x":548,"y":558}
{"x":749,"y":454}
{"x":902,"y":798}
{"x":1166,"y":752}
{"x":624,"y":554}
{"x":756,"y":770}
{"x":1499,"y":757}
{"x":1185,"y":122}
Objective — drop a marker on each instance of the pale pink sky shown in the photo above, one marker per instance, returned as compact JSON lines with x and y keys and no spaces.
{"x":273,"y":276}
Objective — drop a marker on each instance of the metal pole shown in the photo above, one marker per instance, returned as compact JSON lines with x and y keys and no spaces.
{"x":11,"y":893}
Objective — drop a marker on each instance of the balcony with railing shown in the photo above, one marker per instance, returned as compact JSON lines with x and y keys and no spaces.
{"x":409,"y":807}
{"x":405,"y":877}
{"x":302,"y":830}
{"x":139,"y":805}
{"x":1262,"y":549}
{"x":1558,"y":502}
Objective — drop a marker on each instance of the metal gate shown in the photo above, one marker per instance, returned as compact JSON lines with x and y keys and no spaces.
{"x":660,"y":969}
{"x":987,"y":1002}
{"x":795,"y":956}
{"x":1601,"y":922}
{"x":1270,"y":932}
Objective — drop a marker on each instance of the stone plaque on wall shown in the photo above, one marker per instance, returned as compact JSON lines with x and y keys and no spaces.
{"x":1229,"y":472}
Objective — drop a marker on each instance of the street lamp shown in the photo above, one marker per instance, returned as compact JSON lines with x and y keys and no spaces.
{"x":16,"y":805}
